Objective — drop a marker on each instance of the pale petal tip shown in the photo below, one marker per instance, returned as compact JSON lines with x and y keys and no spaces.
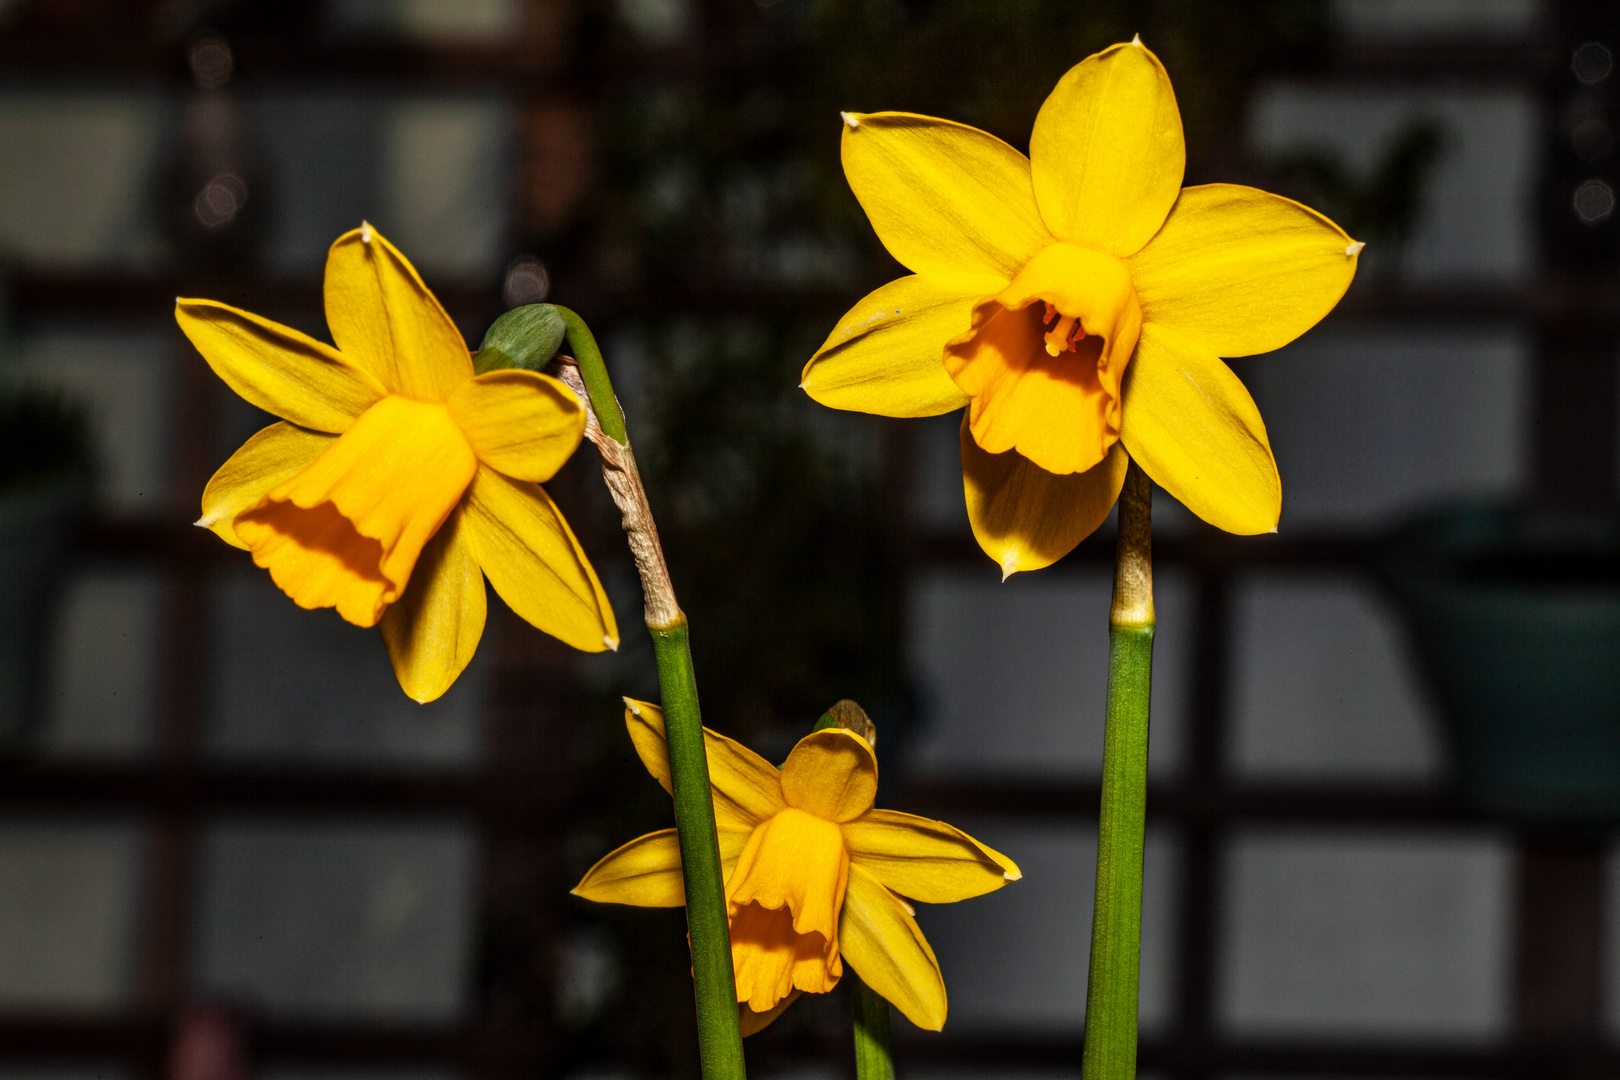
{"x":1013,"y":875}
{"x":365,"y":232}
{"x":851,"y":119}
{"x":633,"y":705}
{"x":1273,"y":531}
{"x":1136,"y":39}
{"x":1355,"y":248}
{"x":611,"y":642}
{"x":205,"y":522}
{"x":1009,"y":564}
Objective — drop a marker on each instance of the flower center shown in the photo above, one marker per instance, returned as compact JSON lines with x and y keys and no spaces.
{"x":347,"y":531}
{"x":1046,"y":381}
{"x":1065,"y":334}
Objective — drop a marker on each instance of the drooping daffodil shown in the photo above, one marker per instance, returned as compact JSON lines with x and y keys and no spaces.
{"x":397,"y":479}
{"x":814,"y":874}
{"x":1078,"y":302}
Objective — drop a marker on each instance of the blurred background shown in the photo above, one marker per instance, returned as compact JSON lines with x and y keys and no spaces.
{"x":229,"y":845}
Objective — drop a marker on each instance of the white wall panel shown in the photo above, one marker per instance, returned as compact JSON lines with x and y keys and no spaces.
{"x":1366,"y":935}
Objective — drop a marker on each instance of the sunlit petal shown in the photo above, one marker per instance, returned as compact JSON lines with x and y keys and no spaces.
{"x":1191,"y":424}
{"x":1107,"y":151}
{"x":747,"y":788}
{"x":951,"y":202}
{"x":883,"y":357}
{"x":281,"y":370}
{"x":386,"y":320}
{"x":1241,"y":270}
{"x":924,"y":859}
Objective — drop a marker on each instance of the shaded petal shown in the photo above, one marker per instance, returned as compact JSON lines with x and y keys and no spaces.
{"x":646,"y":872}
{"x":747,"y":788}
{"x":521,"y":423}
{"x":271,"y":457}
{"x":1026,"y":518}
{"x":1108,"y":152}
{"x":277,"y":368}
{"x":924,"y":859}
{"x":883,"y":357}
{"x":951,"y":202}
{"x":1242,"y":270}
{"x":832,"y":774}
{"x":752,"y":1023}
{"x":1191,"y":424}
{"x":532,"y":558}
{"x":881,"y":940}
{"x":386,"y":320}
{"x":432,"y":631}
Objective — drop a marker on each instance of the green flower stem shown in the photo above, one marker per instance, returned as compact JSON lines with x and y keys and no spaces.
{"x":719,"y":1039}
{"x":1116,"y":926}
{"x":719,"y":1036}
{"x":589,"y":357}
{"x":872,"y":1058}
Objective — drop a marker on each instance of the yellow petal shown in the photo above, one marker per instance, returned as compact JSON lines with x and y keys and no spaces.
{"x":347,"y":531}
{"x":1241,"y":270}
{"x":646,"y":872}
{"x":1026,"y":518}
{"x":277,"y":368}
{"x":883,"y":943}
{"x":951,"y":202}
{"x":832,"y":774}
{"x":530,"y":555}
{"x":521,"y":423}
{"x":1108,"y":152}
{"x":432,"y":631}
{"x":747,"y":788}
{"x":1195,"y":430}
{"x":924,"y":859}
{"x":883,"y":357}
{"x":272,"y":457}
{"x":752,"y":1023}
{"x":386,"y":320}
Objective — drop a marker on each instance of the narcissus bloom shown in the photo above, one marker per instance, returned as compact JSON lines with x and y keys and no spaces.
{"x":1078,"y":302}
{"x":814,"y":874}
{"x":397,"y":479}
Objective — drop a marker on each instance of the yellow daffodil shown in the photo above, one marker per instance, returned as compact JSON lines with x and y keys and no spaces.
{"x":1078,"y":302}
{"x":397,"y":478}
{"x":815,"y":875}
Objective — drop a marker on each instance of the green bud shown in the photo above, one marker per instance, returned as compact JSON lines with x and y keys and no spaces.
{"x":526,"y":337}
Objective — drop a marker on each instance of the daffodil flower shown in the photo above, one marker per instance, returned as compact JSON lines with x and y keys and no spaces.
{"x":815,"y":875}
{"x":397,"y":479}
{"x":1078,"y":302}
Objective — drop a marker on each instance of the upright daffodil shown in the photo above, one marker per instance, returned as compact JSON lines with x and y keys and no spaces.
{"x":1078,"y":302}
{"x":397,"y":479}
{"x":815,"y":875}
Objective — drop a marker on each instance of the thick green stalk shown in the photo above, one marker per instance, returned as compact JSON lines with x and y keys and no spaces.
{"x":719,"y":1039}
{"x":1116,"y":925}
{"x":872,"y":1058}
{"x":719,"y":1036}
